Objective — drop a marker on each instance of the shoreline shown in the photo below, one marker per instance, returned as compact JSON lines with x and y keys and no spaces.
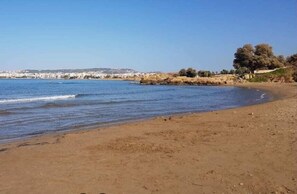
{"x":261,"y":86}
{"x":237,"y":150}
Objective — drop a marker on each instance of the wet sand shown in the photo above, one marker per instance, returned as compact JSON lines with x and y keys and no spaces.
{"x":250,"y":149}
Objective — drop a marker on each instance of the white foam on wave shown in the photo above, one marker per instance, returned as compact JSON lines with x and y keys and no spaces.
{"x":46,"y":98}
{"x":262,"y":96}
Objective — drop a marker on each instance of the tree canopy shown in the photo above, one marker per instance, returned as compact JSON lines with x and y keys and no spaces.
{"x":182,"y":72}
{"x":190,"y":72}
{"x":202,"y":73}
{"x":224,"y":71}
{"x":259,"y":57}
{"x":292,"y":60}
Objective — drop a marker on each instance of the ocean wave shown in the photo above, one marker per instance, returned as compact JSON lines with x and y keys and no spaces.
{"x":63,"y":82}
{"x":90,"y":103}
{"x":123,"y":93}
{"x":85,"y":95}
{"x":46,"y":98}
{"x":55,"y":105}
{"x":263,"y":95}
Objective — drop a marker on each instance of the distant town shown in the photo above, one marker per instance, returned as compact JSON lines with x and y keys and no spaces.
{"x":93,"y":73}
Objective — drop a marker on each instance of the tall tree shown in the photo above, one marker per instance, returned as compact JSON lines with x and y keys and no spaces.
{"x":244,"y":57}
{"x":264,"y":50}
{"x":292,"y":60}
{"x":260,"y":57}
{"x":281,"y":59}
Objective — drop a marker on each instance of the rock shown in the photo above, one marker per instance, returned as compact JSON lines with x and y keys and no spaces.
{"x":241,"y":184}
{"x":251,"y":113}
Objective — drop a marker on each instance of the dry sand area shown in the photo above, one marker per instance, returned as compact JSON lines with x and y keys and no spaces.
{"x":243,"y":150}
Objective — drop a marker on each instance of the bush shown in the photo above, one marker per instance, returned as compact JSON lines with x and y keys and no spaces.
{"x":232,"y":71}
{"x":204,"y":73}
{"x":224,"y":71}
{"x":259,"y":79}
{"x":191,"y":72}
{"x":278,"y":75}
{"x":182,"y":72}
{"x":242,"y":70}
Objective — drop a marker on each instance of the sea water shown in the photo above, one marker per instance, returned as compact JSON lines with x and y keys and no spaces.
{"x":31,"y":107}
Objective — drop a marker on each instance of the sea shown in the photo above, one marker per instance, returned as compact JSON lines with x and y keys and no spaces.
{"x":33,"y":107}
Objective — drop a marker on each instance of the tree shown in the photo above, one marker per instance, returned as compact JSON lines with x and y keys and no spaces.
{"x":182,"y":72}
{"x":190,"y":72}
{"x":260,"y":62}
{"x":264,"y":50}
{"x":275,"y":63}
{"x":242,"y":70}
{"x":281,"y":59}
{"x":207,"y":74}
{"x":244,"y":57}
{"x":204,"y":73}
{"x":265,"y":59}
{"x":292,"y":61}
{"x":224,"y":71}
{"x":232,"y":71}
{"x":260,"y":57}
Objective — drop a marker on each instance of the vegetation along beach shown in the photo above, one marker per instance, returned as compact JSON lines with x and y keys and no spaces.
{"x":124,"y":97}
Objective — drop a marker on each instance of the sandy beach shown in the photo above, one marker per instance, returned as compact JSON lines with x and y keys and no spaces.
{"x":243,"y":150}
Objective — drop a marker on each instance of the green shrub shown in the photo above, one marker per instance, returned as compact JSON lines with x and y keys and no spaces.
{"x":259,"y":79}
{"x":224,"y":71}
{"x":182,"y":72}
{"x":284,"y":74}
{"x":204,"y":73}
{"x":191,"y":72}
{"x":242,"y":70}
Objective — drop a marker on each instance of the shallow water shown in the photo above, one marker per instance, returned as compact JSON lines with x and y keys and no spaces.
{"x":30,"y":107}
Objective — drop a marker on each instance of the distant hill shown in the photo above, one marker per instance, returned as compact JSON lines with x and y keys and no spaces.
{"x":101,"y":70}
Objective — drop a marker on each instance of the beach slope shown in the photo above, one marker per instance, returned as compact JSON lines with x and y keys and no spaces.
{"x":243,"y":150}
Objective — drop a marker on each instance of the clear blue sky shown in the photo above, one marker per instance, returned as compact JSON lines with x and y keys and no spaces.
{"x":146,"y":35}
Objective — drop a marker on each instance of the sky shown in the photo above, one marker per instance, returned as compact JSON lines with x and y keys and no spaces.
{"x":145,"y":35}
